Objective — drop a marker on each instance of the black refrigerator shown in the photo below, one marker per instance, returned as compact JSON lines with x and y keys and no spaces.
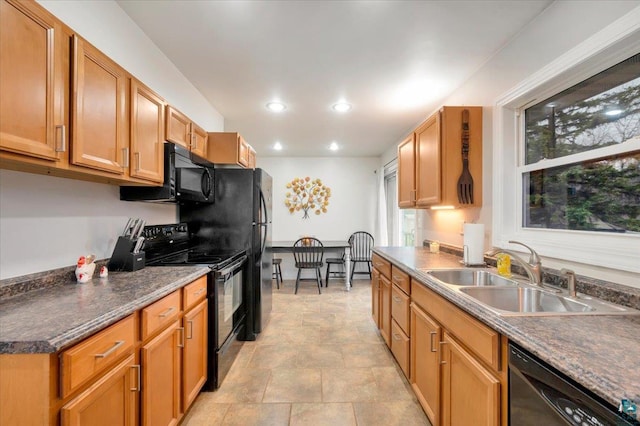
{"x":239,"y":218}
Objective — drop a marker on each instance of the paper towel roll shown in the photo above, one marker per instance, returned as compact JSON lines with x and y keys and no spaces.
{"x":473,"y":243}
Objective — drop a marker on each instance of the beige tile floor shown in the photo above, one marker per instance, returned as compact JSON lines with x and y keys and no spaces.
{"x":320,"y":361}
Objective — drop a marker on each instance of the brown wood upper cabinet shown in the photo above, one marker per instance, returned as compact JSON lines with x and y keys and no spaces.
{"x":98,"y":105}
{"x":230,"y":148}
{"x":34,"y":77}
{"x":430,"y":160}
{"x":147,"y":133}
{"x":182,"y":131}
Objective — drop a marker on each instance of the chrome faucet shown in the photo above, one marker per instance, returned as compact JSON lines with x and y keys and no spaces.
{"x":533,"y":267}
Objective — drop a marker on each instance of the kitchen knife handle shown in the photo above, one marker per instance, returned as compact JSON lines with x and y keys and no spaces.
{"x":63,"y":138}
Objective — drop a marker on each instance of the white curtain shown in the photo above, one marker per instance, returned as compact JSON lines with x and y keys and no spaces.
{"x":381,"y":225}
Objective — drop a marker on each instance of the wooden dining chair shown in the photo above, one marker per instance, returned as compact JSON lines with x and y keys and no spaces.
{"x":361,"y":245}
{"x":308,"y":253}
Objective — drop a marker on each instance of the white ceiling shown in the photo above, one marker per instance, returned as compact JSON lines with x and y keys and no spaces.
{"x":394,"y":61}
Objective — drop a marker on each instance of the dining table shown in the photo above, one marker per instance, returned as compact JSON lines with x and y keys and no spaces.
{"x":328,"y":245}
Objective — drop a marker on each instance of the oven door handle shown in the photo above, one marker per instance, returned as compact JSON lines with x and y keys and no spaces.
{"x":235,"y":265}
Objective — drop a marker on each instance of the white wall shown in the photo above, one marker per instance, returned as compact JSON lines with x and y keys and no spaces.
{"x":352,"y":204}
{"x":48,"y":222}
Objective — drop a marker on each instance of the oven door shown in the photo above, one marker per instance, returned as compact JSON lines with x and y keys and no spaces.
{"x":230,"y":307}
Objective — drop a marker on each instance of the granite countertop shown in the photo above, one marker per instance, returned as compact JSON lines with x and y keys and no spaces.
{"x":601,"y":352}
{"x":28,"y":323}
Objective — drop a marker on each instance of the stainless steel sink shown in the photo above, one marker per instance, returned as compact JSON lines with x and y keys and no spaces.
{"x":513,"y":297}
{"x":525,"y":299}
{"x":470,"y":277}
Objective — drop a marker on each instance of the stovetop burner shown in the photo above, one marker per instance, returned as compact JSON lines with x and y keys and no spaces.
{"x":167,"y":245}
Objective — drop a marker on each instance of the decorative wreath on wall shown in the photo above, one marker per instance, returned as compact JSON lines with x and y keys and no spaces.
{"x":307,"y":194}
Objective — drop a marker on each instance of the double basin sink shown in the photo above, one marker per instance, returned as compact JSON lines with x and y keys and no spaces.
{"x":512,"y":297}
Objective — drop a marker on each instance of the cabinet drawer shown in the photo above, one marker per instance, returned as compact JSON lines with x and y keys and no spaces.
{"x":400,"y":308}
{"x":160,"y":314}
{"x":381,"y":265}
{"x":91,"y":356}
{"x":194,"y":293}
{"x":400,"y":347}
{"x":400,"y":279}
{"x":477,"y":337}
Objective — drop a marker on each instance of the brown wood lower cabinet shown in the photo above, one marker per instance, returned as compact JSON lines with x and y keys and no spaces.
{"x":161,"y":365}
{"x":375,"y":296}
{"x":470,"y":392}
{"x":425,"y":362}
{"x":194,"y":365}
{"x":385,"y":309}
{"x":111,"y":401}
{"x":145,"y":369}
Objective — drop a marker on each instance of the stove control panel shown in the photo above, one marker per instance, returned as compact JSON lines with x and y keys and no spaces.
{"x":165,"y":234}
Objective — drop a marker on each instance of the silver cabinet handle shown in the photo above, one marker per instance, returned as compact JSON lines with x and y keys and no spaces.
{"x":414,"y":193}
{"x":396,"y":279}
{"x":110,"y":350}
{"x":432,"y":334}
{"x":190,"y":335}
{"x":125,"y":154}
{"x":441,"y":361}
{"x":396,"y":299}
{"x":137,"y":155}
{"x":167,"y":312}
{"x":199,"y":292}
{"x":138,"y":379}
{"x":181,"y":344}
{"x":63,"y":138}
{"x":194,"y":142}
{"x":396,"y":336}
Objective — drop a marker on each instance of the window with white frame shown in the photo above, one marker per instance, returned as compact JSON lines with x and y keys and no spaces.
{"x":580,"y":171}
{"x":567,"y":154}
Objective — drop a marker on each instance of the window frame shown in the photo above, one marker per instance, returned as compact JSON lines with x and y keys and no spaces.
{"x":613,"y":44}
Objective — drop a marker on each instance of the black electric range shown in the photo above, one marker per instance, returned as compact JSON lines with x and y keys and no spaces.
{"x":170,"y":245}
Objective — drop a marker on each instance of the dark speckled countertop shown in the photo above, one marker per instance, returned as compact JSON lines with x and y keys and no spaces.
{"x":45,"y":320}
{"x":601,"y":352}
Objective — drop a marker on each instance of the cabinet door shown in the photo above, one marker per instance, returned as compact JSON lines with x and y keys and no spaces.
{"x":385,"y":309}
{"x":425,"y":363}
{"x":470,"y":393}
{"x":243,"y":152}
{"x":33,"y":80}
{"x":161,"y":377}
{"x":178,"y":127}
{"x":198,"y":140}
{"x":407,"y":173}
{"x":98,"y":105}
{"x":194,"y":372}
{"x":147,"y":133}
{"x":252,"y":158}
{"x":111,"y":401}
{"x":375,"y":296}
{"x":428,"y":171}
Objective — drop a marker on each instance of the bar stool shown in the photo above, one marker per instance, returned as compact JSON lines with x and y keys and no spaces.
{"x":337,"y":261}
{"x":277,"y":271}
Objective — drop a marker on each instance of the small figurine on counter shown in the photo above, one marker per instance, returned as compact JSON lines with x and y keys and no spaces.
{"x":85,"y":268}
{"x":104,"y":272}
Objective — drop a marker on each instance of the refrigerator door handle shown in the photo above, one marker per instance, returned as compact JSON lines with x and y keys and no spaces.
{"x":264,"y":227}
{"x":263,"y":205}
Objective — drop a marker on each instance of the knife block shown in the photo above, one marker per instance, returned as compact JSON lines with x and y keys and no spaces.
{"x":123,"y":258}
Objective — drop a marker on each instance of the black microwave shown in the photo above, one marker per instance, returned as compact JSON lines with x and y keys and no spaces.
{"x":187,"y":177}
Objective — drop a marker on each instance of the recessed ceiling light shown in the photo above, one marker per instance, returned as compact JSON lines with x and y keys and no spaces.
{"x":277,"y":146}
{"x":341,"y":107}
{"x":276,"y":106}
{"x":334,"y":146}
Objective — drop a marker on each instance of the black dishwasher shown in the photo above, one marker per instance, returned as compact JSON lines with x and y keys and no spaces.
{"x":540,"y":395}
